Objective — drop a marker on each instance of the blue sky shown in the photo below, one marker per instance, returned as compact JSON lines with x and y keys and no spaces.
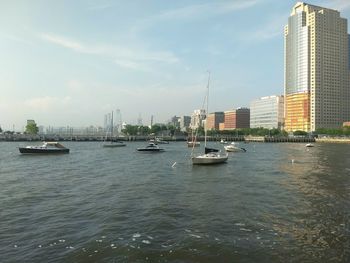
{"x":71,"y":62}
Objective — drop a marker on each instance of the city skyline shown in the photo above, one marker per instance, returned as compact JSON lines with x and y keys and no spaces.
{"x":72,"y":66}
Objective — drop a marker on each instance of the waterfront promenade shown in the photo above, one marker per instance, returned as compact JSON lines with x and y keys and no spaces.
{"x":217,"y":138}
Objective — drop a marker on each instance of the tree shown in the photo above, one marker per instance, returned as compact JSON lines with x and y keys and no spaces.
{"x":0,"y":129}
{"x":31,"y":128}
{"x":300,"y":133}
{"x":130,"y":130}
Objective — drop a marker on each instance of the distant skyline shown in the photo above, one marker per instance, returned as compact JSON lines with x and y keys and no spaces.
{"x":71,"y":62}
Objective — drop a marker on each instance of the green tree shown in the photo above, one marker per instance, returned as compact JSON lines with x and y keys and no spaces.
{"x":31,"y":128}
{"x":302,"y":133}
{"x":130,"y":130}
{"x":0,"y":129}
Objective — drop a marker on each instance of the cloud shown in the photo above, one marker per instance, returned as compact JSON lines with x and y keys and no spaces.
{"x":340,"y":5}
{"x":195,"y":12}
{"x":135,"y":58}
{"x":46,"y":103}
{"x":17,"y":39}
{"x":203,"y":10}
{"x":272,"y":28}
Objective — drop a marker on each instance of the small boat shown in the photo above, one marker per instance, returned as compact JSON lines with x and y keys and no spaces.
{"x":159,"y":141}
{"x":193,"y":144}
{"x":210,"y":156}
{"x":151,"y":147}
{"x":46,"y":148}
{"x":223,"y":141}
{"x":234,"y":148}
{"x":309,"y":145}
{"x":112,"y":144}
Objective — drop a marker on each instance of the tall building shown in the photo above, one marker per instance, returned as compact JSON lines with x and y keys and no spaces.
{"x":267,"y":112}
{"x":317,"y":91}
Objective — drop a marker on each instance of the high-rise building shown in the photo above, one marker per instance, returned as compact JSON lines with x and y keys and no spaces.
{"x":267,"y":112}
{"x":317,"y":78}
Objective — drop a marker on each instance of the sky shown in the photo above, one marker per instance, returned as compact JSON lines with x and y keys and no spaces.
{"x":68,"y":63}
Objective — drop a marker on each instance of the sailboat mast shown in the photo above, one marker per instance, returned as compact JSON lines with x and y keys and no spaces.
{"x":207,"y":113}
{"x":112,"y":127}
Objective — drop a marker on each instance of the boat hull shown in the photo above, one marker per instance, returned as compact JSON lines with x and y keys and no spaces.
{"x":25,"y":150}
{"x":208,"y":159}
{"x":150,"y":150}
{"x":234,"y":149}
{"x":193,"y":144}
{"x":113,"y":145}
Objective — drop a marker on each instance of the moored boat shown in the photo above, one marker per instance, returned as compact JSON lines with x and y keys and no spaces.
{"x":234,"y":148}
{"x":210,"y":156}
{"x":151,"y":147}
{"x":46,"y":148}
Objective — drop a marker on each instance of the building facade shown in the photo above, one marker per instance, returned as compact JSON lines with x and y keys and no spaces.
{"x":214,"y":119}
{"x":317,"y":77}
{"x":184,"y":122}
{"x":197,"y":118}
{"x":267,"y":112}
{"x":236,"y":119}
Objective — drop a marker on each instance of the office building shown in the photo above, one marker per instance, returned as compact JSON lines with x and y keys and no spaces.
{"x":236,"y":119}
{"x":214,"y":119}
{"x":317,"y":91}
{"x":267,"y":112}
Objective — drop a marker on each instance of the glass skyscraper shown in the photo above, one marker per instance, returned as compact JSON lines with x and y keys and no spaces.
{"x":317,"y":76}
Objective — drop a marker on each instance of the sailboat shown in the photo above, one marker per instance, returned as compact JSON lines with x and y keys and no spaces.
{"x":210,"y":156}
{"x":109,"y":142}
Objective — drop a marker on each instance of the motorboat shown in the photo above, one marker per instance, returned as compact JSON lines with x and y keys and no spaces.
{"x":309,"y":145}
{"x":223,"y":141}
{"x":234,"y":148}
{"x":151,"y":147}
{"x":46,"y":148}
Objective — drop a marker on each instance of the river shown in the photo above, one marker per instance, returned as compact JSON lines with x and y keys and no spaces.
{"x":278,"y":202}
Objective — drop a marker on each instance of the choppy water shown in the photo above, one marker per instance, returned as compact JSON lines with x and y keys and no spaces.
{"x":273,"y":203}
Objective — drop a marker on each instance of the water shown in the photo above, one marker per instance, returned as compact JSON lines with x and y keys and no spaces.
{"x":273,"y":203}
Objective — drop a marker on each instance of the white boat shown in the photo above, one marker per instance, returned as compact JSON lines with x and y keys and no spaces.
{"x":159,"y":141}
{"x":46,"y":148}
{"x":309,"y":145}
{"x":223,"y":141}
{"x":109,"y":141}
{"x":151,"y":147}
{"x":234,"y":148}
{"x":210,"y":156}
{"x":193,"y":144}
